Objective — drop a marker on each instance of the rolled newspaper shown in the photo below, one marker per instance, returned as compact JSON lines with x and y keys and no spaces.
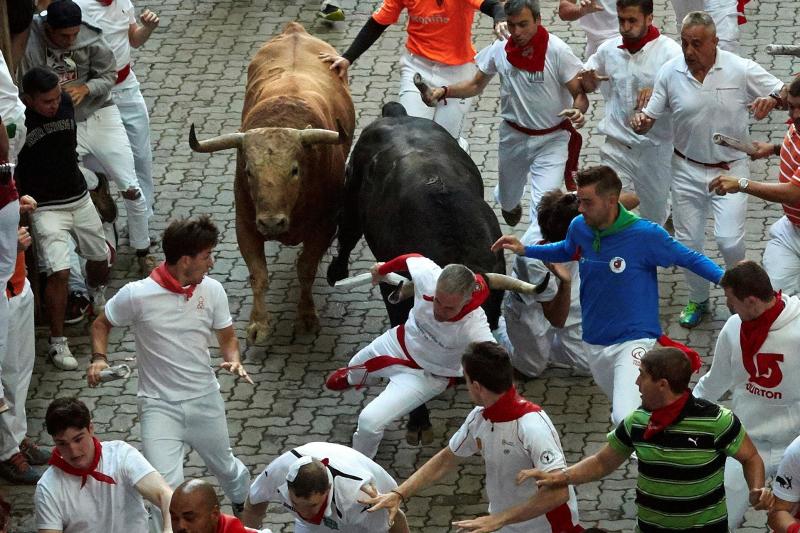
{"x":732,"y":142}
{"x":113,"y":373}
{"x":783,"y":49}
{"x":366,"y":278}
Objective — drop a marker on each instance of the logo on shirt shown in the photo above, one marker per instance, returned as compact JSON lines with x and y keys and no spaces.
{"x":330,"y":524}
{"x":434,"y":19}
{"x":547,"y":457}
{"x":693,"y":440}
{"x":201,"y":303}
{"x":617,"y":265}
{"x":784,"y":482}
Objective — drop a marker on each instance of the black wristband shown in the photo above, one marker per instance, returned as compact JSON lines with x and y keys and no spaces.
{"x":776,"y":149}
{"x":366,"y":37}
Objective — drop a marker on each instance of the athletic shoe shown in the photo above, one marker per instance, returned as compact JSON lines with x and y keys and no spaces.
{"x":33,"y":453}
{"x":693,"y":313}
{"x":18,"y":471}
{"x":98,"y":295}
{"x":60,"y":355}
{"x":77,"y":306}
{"x":512,"y":217}
{"x":338,"y":380}
{"x":331,"y":13}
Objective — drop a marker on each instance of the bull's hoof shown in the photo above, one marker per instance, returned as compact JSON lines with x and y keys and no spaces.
{"x":257,"y":332}
{"x":337,"y":270}
{"x":307,"y":324}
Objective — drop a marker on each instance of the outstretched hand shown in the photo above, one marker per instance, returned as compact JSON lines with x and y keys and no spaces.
{"x":509,"y":242}
{"x":237,"y":369}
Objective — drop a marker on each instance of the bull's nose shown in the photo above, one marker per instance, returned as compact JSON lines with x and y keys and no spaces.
{"x":271,"y":225}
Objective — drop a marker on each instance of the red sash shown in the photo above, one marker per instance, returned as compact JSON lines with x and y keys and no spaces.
{"x":57,"y":461}
{"x":162,"y":276}
{"x":106,"y":3}
{"x":634,"y":45}
{"x":123,"y":73}
{"x":529,"y":57}
{"x":573,"y":147}
{"x":510,"y":406}
{"x":754,"y":332}
{"x":664,"y":416}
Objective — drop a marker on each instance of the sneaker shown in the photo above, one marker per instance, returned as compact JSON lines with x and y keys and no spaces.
{"x":331,"y":13}
{"x":147,"y":263}
{"x":338,"y":380}
{"x":60,"y":355}
{"x":238,"y":509}
{"x":77,"y":306}
{"x":33,"y":453}
{"x":102,"y":199}
{"x":693,"y":313}
{"x":98,"y":295}
{"x":18,"y":471}
{"x":512,"y":217}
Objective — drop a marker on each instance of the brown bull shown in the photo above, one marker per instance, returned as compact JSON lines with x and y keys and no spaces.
{"x":297,"y":125}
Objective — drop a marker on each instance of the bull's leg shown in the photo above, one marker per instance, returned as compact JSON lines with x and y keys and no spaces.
{"x":349,"y":233}
{"x":419,"y":426}
{"x":307,"y":264}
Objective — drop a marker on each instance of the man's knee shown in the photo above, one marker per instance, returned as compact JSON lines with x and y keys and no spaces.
{"x":373,"y":422}
{"x":730,"y":244}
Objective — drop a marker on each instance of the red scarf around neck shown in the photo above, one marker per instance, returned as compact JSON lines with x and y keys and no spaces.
{"x":166,"y":280}
{"x":57,"y":461}
{"x":664,"y":416}
{"x":106,"y":3}
{"x":510,"y":406}
{"x":634,"y":45}
{"x":479,"y":295}
{"x":529,"y":57}
{"x":754,"y":332}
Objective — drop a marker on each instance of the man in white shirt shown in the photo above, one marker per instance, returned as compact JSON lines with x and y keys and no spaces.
{"x":783,"y":514}
{"x":323,"y":485}
{"x":173,"y":313}
{"x":538,"y":80}
{"x":93,"y":486}
{"x":630,"y":61}
{"x":755,"y":358}
{"x":511,"y":434}
{"x":420,"y":357}
{"x":707,"y":91}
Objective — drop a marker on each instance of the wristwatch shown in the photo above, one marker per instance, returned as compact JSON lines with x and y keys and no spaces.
{"x":743,"y":184}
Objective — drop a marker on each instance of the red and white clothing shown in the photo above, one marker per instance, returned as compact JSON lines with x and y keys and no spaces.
{"x":512,"y":438}
{"x":782,"y":254}
{"x":764,"y":395}
{"x":786,"y":486}
{"x":348,"y":472}
{"x":62,"y":504}
{"x":231,"y":524}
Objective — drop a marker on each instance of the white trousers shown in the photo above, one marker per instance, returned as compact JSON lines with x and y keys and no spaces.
{"x":17,"y":367}
{"x":451,"y":115}
{"x":9,"y":222}
{"x":691,"y":202}
{"x":782,"y":256}
{"x":724,"y":14}
{"x":135,"y":118}
{"x":200,"y":423}
{"x":615,"y":369}
{"x":736,"y":491}
{"x":103,"y":146}
{"x":645,"y":170}
{"x":407,"y":389}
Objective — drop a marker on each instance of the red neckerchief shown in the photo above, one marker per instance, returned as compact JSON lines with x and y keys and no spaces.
{"x":634,"y":45}
{"x":529,"y":57}
{"x":57,"y":461}
{"x":691,"y":355}
{"x":664,"y":416}
{"x":231,"y":524}
{"x":479,"y":295}
{"x":161,"y":275}
{"x":754,"y":332}
{"x":106,"y":3}
{"x":510,"y":406}
{"x":741,"y":19}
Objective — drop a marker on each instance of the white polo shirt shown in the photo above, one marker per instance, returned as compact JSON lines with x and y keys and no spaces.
{"x":718,"y":105}
{"x":11,"y":107}
{"x":350,"y":470}
{"x":98,"y":507}
{"x":438,"y":346}
{"x":787,"y":481}
{"x":172,"y":335}
{"x":530,"y":441}
{"x":115,"y":21}
{"x":532,"y":99}
{"x":629,"y":74}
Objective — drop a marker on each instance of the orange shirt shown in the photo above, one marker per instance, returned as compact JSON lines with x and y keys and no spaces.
{"x":439,"y":30}
{"x":790,"y":170}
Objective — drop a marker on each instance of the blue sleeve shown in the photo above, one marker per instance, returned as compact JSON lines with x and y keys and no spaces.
{"x":557,"y":252}
{"x":668,"y":252}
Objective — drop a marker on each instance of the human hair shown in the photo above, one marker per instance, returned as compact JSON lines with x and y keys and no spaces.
{"x":603,"y":177}
{"x":515,"y":7}
{"x":188,"y":236}
{"x":39,"y":80}
{"x":670,"y":364}
{"x":699,"y":18}
{"x":794,"y":87}
{"x":748,"y":278}
{"x":311,"y":478}
{"x":65,"y":413}
{"x":555,"y":213}
{"x":488,"y":363}
{"x":456,"y":279}
{"x":645,"y":6}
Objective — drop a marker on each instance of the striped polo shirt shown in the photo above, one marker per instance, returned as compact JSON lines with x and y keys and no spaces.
{"x":790,"y":170}
{"x":680,"y":485}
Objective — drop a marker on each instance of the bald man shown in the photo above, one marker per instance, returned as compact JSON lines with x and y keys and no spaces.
{"x":195,"y":509}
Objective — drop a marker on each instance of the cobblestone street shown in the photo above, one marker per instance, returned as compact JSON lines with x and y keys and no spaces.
{"x":193,"y":71}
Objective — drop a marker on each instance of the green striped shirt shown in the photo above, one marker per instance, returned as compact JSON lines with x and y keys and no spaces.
{"x":680,"y":484}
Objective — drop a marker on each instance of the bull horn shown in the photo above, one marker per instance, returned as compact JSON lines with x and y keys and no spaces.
{"x":403,"y":291}
{"x":311,"y":136}
{"x":214,"y":144}
{"x":503,"y":282}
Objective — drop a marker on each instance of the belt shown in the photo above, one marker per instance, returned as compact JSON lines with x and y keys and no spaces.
{"x":724,"y":165}
{"x":573,"y":147}
{"x":123,"y":73}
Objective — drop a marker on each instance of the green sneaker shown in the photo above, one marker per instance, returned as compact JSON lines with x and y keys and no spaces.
{"x":331,"y":14}
{"x":693,"y":313}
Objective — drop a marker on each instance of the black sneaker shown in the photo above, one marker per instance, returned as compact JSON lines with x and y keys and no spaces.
{"x":77,"y":306}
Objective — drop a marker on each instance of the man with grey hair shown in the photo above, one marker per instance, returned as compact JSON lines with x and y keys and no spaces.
{"x":706,"y":91}
{"x":421,"y":357}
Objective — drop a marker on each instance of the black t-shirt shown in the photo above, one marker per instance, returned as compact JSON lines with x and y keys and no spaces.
{"x":47,"y":166}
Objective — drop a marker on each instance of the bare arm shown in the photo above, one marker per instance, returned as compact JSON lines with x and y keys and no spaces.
{"x":753,"y":467}
{"x":99,"y":331}
{"x":229,"y":348}
{"x":556,"y":310}
{"x":464,"y":89}
{"x":787,"y":193}
{"x":400,"y":524}
{"x":154,"y":489}
{"x":542,"y":502}
{"x":579,"y":99}
{"x":138,"y":34}
{"x":781,"y":515}
{"x":592,"y":468}
{"x":569,"y":10}
{"x":253,"y":515}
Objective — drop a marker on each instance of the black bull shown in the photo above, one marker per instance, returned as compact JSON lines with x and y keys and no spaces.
{"x":411,"y":188}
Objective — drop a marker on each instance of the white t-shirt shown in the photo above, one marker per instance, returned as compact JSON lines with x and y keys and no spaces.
{"x":629,"y":74}
{"x":98,"y":507}
{"x":530,"y":441}
{"x":11,"y":107}
{"x":438,"y":346}
{"x":718,"y":105}
{"x":172,"y":335}
{"x":115,"y":21}
{"x":532,"y":99}
{"x":787,"y":480}
{"x":350,"y":471}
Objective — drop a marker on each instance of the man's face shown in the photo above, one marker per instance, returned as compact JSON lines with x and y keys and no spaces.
{"x":308,"y":508}
{"x":447,"y":305}
{"x":522,"y":26}
{"x":633,"y":23}
{"x":794,"y":110}
{"x":197,"y":266}
{"x":76,"y":446}
{"x":746,"y":308}
{"x":190,"y":514}
{"x":649,"y":389}
{"x":63,"y":38}
{"x":46,"y":104}
{"x":699,"y":45}
{"x":595,"y":208}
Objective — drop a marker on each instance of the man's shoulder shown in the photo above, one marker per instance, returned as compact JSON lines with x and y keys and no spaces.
{"x":701,"y":408}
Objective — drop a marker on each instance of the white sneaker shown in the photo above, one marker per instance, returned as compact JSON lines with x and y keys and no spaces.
{"x":98,"y":297}
{"x":60,"y":355}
